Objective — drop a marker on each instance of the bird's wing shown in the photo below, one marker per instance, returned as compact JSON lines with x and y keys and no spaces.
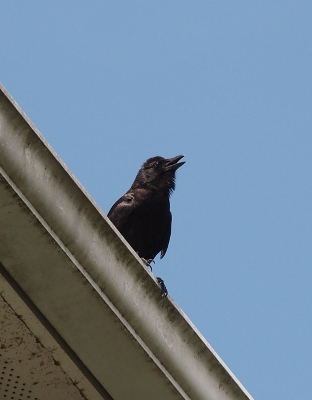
{"x":166,"y":236}
{"x":121,"y":209}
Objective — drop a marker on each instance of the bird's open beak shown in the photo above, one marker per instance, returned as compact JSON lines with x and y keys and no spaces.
{"x":172,"y":163}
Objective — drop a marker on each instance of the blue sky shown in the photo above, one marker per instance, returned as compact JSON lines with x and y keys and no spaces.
{"x":229,"y":84}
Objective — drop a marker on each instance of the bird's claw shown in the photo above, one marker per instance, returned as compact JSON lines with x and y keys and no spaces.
{"x":148,"y":262}
{"x":161,"y":283}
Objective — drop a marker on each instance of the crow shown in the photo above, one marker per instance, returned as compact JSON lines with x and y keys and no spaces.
{"x":142,"y":215}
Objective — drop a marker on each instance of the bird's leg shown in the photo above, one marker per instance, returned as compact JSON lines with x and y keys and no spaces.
{"x":148,"y":262}
{"x":161,"y":283}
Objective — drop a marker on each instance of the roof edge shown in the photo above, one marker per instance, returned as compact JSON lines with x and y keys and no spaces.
{"x":107,"y":262}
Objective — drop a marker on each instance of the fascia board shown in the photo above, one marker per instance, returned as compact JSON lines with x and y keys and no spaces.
{"x":85,"y":279}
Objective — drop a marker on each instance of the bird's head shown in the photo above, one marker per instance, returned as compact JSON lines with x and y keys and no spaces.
{"x":158,"y":173}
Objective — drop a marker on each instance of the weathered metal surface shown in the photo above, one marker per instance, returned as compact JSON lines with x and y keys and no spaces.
{"x":86,"y":280}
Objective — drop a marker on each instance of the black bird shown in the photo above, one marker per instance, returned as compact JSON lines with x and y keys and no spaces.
{"x":142,"y":215}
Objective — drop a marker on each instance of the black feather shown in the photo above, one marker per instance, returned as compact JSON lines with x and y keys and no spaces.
{"x":142,"y":215}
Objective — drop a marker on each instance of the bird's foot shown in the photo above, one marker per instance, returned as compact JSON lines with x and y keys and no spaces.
{"x":161,"y":283}
{"x":148,"y":262}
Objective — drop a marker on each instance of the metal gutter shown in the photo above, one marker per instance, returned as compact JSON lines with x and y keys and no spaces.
{"x":78,"y":271}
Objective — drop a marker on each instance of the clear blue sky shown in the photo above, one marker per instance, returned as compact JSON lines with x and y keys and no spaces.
{"x":229,"y":84}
